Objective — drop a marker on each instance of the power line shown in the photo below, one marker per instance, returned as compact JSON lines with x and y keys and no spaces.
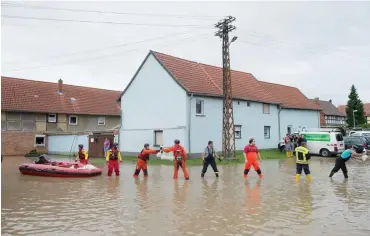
{"x":107,"y":55}
{"x":110,"y":47}
{"x":110,"y":12}
{"x":98,"y":22}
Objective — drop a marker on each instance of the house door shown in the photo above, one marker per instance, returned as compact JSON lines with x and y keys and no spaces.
{"x":96,"y":144}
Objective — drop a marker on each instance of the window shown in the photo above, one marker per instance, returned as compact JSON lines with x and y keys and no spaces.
{"x":238,"y":131}
{"x":13,"y":121}
{"x":267,"y":132}
{"x":158,"y":137}
{"x":40,"y":140}
{"x":52,"y":118}
{"x":248,"y":104}
{"x":41,"y":117}
{"x":289,"y":129}
{"x":73,"y":120}
{"x":14,"y":125}
{"x":28,"y":125}
{"x":199,"y":107}
{"x":101,"y":120}
{"x":266,"y":108}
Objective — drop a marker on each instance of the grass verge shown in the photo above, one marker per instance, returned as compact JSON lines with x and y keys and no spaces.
{"x":265,"y":154}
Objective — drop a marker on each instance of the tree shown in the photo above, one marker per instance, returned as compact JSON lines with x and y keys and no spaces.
{"x":354,"y":103}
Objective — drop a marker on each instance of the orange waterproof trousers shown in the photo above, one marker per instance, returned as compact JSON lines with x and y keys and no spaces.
{"x":177,"y":165}
{"x":141,"y":165}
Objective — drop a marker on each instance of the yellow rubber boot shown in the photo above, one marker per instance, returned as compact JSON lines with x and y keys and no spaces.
{"x":297,"y":177}
{"x":309,"y":178}
{"x":287,"y":154}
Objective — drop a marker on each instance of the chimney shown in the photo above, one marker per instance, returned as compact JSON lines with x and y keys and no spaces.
{"x":317,"y":100}
{"x":330,"y":100}
{"x":60,"y":86}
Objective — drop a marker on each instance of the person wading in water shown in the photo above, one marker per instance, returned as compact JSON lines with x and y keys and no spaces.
{"x":208,"y":156}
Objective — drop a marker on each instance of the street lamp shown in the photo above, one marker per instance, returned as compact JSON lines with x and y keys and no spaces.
{"x":354,"y":120}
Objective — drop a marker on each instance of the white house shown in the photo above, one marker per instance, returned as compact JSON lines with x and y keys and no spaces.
{"x":171,"y":98}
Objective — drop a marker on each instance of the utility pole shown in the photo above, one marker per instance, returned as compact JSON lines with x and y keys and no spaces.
{"x":228,"y":136}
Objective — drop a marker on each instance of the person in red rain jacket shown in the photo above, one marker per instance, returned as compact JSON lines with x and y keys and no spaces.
{"x":82,"y":154}
{"x":143,"y":158}
{"x":251,"y":155}
{"x":180,"y":156}
{"x":112,"y":158}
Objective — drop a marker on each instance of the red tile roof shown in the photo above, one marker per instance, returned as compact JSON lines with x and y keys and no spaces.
{"x":207,"y":80}
{"x":342,"y":108}
{"x":37,"y":96}
{"x":290,"y":97}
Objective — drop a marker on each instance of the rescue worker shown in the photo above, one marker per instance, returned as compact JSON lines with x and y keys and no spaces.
{"x":302,"y":162}
{"x":143,"y":158}
{"x":112,"y":158}
{"x":208,"y":156}
{"x":340,"y":162}
{"x":82,"y":154}
{"x":180,"y":156}
{"x":252,"y":156}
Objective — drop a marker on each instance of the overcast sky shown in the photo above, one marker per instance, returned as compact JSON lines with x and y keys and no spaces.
{"x":319,"y":47}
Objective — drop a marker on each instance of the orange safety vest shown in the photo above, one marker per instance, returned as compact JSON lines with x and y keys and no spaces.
{"x":178,"y":151}
{"x":143,"y":157}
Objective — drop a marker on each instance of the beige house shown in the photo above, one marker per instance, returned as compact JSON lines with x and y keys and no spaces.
{"x":32,"y":110}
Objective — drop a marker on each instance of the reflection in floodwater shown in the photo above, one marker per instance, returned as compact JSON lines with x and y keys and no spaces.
{"x":159,"y":205}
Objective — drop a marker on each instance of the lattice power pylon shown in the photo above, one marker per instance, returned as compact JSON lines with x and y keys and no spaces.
{"x":228,"y":137}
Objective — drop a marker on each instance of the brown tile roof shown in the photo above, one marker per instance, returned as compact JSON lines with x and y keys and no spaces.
{"x":328,"y":108}
{"x":342,"y":108}
{"x":290,"y":97}
{"x":37,"y":96}
{"x":207,"y":80}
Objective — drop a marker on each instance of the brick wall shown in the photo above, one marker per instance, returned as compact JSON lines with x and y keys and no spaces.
{"x":18,"y":143}
{"x":322,"y":119}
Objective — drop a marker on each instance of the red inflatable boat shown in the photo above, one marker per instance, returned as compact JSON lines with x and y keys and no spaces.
{"x":60,"y":169}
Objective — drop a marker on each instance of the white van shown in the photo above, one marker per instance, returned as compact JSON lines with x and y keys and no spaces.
{"x":325,"y":143}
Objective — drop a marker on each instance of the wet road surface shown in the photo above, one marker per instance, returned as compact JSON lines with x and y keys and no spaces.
{"x":159,"y":205}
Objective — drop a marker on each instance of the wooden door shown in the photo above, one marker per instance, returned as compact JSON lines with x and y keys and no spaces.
{"x":96,"y":144}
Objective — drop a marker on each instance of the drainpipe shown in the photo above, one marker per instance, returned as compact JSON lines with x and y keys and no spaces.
{"x":189,"y":121}
{"x":279,"y":131}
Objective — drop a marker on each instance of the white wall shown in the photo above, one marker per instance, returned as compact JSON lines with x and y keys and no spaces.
{"x":63,"y":144}
{"x":153,"y":101}
{"x":298,"y":119}
{"x":252,"y":119}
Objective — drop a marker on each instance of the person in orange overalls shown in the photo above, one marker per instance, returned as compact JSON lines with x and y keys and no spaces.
{"x":112,"y":158}
{"x":143,"y":158}
{"x":251,"y":155}
{"x":82,"y":154}
{"x":180,"y":156}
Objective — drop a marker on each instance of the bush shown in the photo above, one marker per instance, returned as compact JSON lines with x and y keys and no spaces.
{"x":365,"y":126}
{"x":34,"y":151}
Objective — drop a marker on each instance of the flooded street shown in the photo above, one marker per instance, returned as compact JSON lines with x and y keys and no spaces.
{"x":159,"y":205}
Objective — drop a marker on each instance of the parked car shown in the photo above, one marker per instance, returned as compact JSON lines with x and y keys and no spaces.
{"x":359,"y":142}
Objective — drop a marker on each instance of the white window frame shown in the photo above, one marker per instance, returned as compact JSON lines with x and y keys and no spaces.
{"x":263,"y":108}
{"x":101,"y":123}
{"x":155,"y":143}
{"x":201,"y":107}
{"x":54,"y":120}
{"x":269,"y":132}
{"x":40,"y":136}
{"x":238,"y":128}
{"x":69,"y":120}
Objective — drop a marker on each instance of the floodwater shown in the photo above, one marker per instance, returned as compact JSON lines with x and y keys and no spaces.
{"x":159,"y":205}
